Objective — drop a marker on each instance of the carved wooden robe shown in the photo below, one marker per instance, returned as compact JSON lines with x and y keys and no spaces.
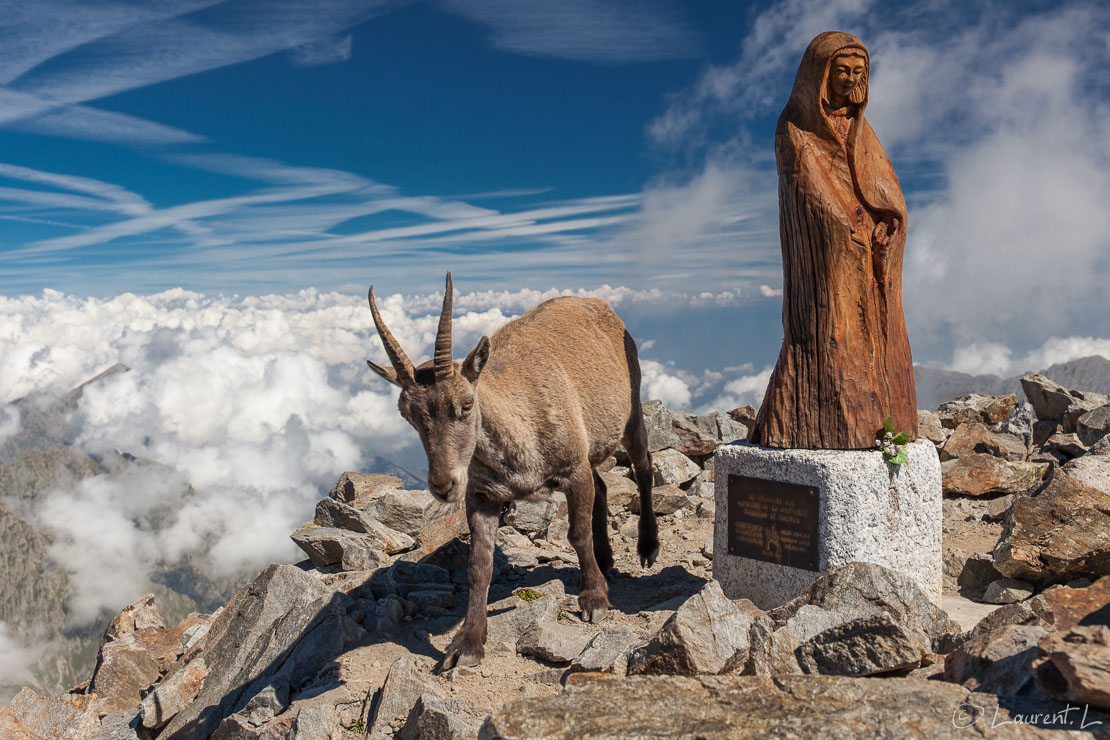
{"x":845,"y":360}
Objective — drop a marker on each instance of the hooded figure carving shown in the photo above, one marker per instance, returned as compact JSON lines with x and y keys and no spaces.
{"x":845,"y":360}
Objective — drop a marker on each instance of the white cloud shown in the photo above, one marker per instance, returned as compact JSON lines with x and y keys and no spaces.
{"x":660,"y":383}
{"x":591,"y":30}
{"x":993,"y":358}
{"x":768,"y":292}
{"x":741,"y":391}
{"x":325,"y":51}
{"x":9,"y":422}
{"x":16,"y":658}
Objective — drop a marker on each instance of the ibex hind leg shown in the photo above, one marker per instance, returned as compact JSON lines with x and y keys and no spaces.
{"x":603,"y":551}
{"x":635,"y":441}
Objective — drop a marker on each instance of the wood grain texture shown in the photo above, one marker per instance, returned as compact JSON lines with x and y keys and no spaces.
{"x":845,"y":362}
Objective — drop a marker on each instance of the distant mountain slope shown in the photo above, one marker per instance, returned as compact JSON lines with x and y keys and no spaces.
{"x":934,"y":386}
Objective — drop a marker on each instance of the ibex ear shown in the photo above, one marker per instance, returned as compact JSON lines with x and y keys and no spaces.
{"x":387,"y":373}
{"x":476,"y":360}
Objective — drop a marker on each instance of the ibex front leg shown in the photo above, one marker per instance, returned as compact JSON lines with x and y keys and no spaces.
{"x":593,"y":597}
{"x":468,"y":646}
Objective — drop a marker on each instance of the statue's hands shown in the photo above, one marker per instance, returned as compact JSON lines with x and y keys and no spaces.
{"x":884,"y":231}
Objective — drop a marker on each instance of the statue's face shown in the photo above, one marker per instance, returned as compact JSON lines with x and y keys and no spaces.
{"x":845,"y":75}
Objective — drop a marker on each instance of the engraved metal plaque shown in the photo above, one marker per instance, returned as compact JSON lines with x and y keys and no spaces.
{"x":773,"y":521}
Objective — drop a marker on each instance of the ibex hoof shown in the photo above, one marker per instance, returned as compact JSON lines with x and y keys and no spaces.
{"x":594,"y":608}
{"x":647,"y":559}
{"x":462,"y":653}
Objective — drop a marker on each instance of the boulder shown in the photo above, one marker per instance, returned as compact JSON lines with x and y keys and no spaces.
{"x":1019,"y":424}
{"x":1060,"y":534}
{"x":554,"y":642}
{"x":141,"y":614}
{"x":359,"y":489}
{"x":1080,"y":661}
{"x":173,"y":694}
{"x":976,"y":574}
{"x":707,"y":635}
{"x":71,"y":716}
{"x":1055,"y":402}
{"x":12,"y":729}
{"x":977,"y":408}
{"x":1007,"y":591}
{"x":336,"y":514}
{"x":664,"y":499}
{"x":620,"y":489}
{"x":744,"y":414}
{"x":1093,"y":425}
{"x":435,"y":718}
{"x":745,"y":707}
{"x":1072,"y":606}
{"x":998,"y":660}
{"x":858,"y":590}
{"x":977,"y":437}
{"x":327,"y":546}
{"x":930,"y":427}
{"x":606,"y":652}
{"x":403,"y":685}
{"x":1064,"y":446}
{"x":1092,"y":470}
{"x":123,"y":673}
{"x":981,"y":474}
{"x":673,"y":468}
{"x":283,"y":627}
{"x":533,"y":515}
{"x":511,"y":617}
{"x":863,"y":647}
{"x":403,"y":511}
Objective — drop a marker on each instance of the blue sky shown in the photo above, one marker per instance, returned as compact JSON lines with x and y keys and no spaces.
{"x":246,"y":148}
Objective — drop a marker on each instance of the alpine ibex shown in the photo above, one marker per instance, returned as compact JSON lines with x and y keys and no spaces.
{"x":532,"y":410}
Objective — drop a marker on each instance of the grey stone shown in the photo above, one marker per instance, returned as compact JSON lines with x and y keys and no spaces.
{"x":554,"y":642}
{"x":999,"y":660}
{"x":403,"y":685}
{"x":172,"y":694}
{"x":332,"y":513}
{"x":533,"y":516}
{"x":660,"y":427}
{"x":869,"y":511}
{"x":114,"y":726}
{"x":1092,"y":470}
{"x":404,"y":576}
{"x":510,"y":617}
{"x":620,"y":489}
{"x":976,"y":574}
{"x":140,"y":614}
{"x":773,"y":651}
{"x":1094,"y":425}
{"x":930,"y":427}
{"x":433,"y":718}
{"x":665,"y":500}
{"x":359,"y":489}
{"x":426,"y":600}
{"x":385,"y":615}
{"x":327,"y":546}
{"x":607,"y":652}
{"x":71,"y":716}
{"x":1064,"y":446}
{"x":1081,"y":657}
{"x":1053,"y":401}
{"x":708,"y":634}
{"x":997,"y":508}
{"x":673,"y":468}
{"x":1019,"y":423}
{"x":746,"y":708}
{"x":285,"y":626}
{"x":403,"y":511}
{"x":863,"y":647}
{"x":987,"y":410}
{"x":1007,"y":591}
{"x":860,"y":590}
{"x":124,"y":671}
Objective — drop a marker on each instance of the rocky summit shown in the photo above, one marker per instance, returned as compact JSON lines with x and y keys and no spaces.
{"x":346,"y":643}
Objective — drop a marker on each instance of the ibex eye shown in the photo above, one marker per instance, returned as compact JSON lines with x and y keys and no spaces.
{"x":468,"y":404}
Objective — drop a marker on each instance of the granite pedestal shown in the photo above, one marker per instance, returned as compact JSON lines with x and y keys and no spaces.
{"x":817,"y":509}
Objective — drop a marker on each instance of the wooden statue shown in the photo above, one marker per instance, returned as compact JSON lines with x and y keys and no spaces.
{"x":845,"y":362}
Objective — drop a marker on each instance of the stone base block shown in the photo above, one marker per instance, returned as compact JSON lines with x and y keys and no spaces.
{"x":868,"y":510}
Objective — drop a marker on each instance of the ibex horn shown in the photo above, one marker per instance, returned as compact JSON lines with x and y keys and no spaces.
{"x":397,"y":355}
{"x":444,"y":366}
